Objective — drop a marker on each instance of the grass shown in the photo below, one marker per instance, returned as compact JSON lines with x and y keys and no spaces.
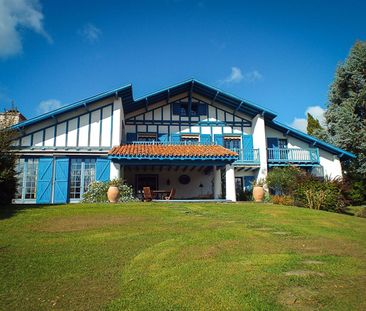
{"x":151,"y":256}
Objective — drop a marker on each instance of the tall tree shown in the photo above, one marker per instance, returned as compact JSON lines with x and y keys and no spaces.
{"x":313,"y":127}
{"x":346,"y":113}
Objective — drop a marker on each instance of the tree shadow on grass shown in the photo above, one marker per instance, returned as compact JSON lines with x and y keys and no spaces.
{"x":10,"y":210}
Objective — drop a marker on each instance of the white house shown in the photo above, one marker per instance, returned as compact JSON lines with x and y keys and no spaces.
{"x":193,"y":137}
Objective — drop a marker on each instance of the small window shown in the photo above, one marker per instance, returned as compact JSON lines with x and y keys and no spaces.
{"x":197,"y":109}
{"x":232,"y":142}
{"x":282,"y":143}
{"x":146,"y":136}
{"x":193,"y":139}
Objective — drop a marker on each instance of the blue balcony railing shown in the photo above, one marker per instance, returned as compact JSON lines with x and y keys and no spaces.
{"x":250,"y":156}
{"x":293,"y":155}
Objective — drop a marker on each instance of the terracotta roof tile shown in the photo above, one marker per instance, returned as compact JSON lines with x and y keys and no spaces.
{"x":168,"y":151}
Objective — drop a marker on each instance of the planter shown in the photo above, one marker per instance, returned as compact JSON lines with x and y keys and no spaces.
{"x":258,"y":194}
{"x":113,"y":194}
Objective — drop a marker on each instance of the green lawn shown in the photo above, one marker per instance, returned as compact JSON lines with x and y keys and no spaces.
{"x":165,"y":256}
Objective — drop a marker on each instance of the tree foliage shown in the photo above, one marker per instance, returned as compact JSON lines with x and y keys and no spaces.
{"x":314,"y":128}
{"x":346,"y":113}
{"x":8,"y":179}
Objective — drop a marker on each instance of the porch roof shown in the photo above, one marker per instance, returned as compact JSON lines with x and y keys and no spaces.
{"x":172,"y":152}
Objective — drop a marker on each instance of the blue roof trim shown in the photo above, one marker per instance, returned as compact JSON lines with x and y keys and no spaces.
{"x":124,"y":92}
{"x":296,"y":133}
{"x":230,"y":100}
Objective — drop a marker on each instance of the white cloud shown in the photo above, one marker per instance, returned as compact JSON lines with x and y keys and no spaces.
{"x":90,"y":33}
{"x":236,"y":76}
{"x":299,"y":124}
{"x":48,"y":105}
{"x":16,"y":15}
{"x":316,"y":111}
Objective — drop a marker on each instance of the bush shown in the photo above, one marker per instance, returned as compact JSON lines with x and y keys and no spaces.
{"x":357,"y":192}
{"x":315,"y":193}
{"x":97,"y":192}
{"x":245,"y":195}
{"x":361,"y":212}
{"x":282,"y":199}
{"x":283,"y":180}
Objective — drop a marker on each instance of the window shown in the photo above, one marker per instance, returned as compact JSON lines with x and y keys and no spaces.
{"x":82,"y":174}
{"x":27,"y":170}
{"x":232,"y":142}
{"x":282,"y":143}
{"x":198,"y":108}
{"x":146,"y":136}
{"x":193,"y":139}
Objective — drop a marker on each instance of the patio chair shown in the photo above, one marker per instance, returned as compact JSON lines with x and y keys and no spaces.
{"x":171,"y":195}
{"x":147,"y":194}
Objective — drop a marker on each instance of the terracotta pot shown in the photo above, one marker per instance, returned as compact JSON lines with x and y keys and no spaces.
{"x":258,"y":194}
{"x":113,"y":194}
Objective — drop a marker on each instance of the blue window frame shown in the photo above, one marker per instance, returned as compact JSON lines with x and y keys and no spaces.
{"x":82,"y":174}
{"x":27,"y":170}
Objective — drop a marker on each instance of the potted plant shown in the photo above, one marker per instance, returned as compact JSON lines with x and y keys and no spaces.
{"x":113,"y":190}
{"x":258,"y":190}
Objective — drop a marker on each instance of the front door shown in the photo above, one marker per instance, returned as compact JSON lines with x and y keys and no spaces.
{"x":147,"y":180}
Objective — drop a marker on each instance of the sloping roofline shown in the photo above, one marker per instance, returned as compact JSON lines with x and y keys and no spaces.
{"x":195,"y":86}
{"x":125,"y":92}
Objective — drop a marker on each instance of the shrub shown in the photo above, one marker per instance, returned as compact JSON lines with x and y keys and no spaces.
{"x":245,"y":195}
{"x":357,"y":192}
{"x":315,"y":193}
{"x":282,"y":199}
{"x":361,"y":213}
{"x":283,"y":180}
{"x":97,"y":192}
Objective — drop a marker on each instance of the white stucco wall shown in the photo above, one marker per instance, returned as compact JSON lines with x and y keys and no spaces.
{"x":82,"y":127}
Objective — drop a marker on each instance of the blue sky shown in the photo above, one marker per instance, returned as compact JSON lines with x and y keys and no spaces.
{"x":279,"y":54}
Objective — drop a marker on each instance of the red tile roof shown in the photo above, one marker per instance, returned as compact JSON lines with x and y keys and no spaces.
{"x":176,"y":151}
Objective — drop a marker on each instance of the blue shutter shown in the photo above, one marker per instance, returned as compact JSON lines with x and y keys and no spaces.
{"x":248,"y":147}
{"x":219,"y":139}
{"x":205,"y":139}
{"x":131,"y":137}
{"x":44,"y":180}
{"x":202,"y":109}
{"x":61,"y":184}
{"x":176,"y":108}
{"x":248,"y":182}
{"x":272,"y":143}
{"x":102,"y":170}
{"x":175,"y":138}
{"x":163,"y":138}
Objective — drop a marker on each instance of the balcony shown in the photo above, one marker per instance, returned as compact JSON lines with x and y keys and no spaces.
{"x":285,"y":156}
{"x":247,"y":157}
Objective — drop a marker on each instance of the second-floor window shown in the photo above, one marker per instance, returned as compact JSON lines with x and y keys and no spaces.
{"x":232,"y":142}
{"x":146,"y":136}
{"x":190,"y":138}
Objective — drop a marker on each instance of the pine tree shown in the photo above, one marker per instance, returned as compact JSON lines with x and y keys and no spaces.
{"x":314,"y":128}
{"x":346,"y":113}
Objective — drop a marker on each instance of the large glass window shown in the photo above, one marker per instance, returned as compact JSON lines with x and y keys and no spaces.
{"x":27,"y":171}
{"x":82,"y":174}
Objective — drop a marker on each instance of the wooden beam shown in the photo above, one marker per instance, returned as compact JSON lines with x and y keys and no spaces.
{"x":185,"y":168}
{"x":161,"y":168}
{"x":169,"y":168}
{"x":200,"y":168}
{"x":176,"y":168}
{"x":192,"y":168}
